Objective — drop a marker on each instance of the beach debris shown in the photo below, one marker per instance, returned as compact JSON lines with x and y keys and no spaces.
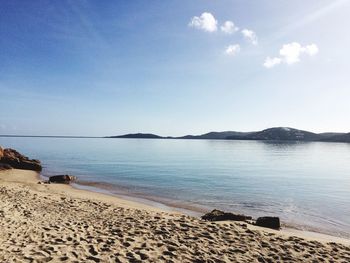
{"x":269,"y":222}
{"x":14,"y":159}
{"x":218,"y":215}
{"x":62,"y":179}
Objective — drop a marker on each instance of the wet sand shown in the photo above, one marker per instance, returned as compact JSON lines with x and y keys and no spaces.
{"x":57,"y":223}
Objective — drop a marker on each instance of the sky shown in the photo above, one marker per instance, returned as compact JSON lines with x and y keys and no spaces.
{"x":173,"y":67}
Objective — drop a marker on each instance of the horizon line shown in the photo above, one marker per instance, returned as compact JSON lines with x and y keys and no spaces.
{"x":50,"y":136}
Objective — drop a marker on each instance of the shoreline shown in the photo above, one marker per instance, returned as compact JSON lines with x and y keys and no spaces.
{"x":192,"y":210}
{"x":167,"y":207}
{"x":43,"y":222}
{"x":155,"y":203}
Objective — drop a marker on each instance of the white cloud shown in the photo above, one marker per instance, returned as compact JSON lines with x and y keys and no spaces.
{"x":232,"y":50}
{"x":311,"y":50}
{"x":229,"y":27}
{"x":291,"y":52}
{"x":271,"y":62}
{"x":250,"y":36}
{"x":206,"y":22}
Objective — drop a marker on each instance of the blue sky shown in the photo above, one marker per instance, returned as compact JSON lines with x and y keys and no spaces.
{"x":173,"y":67}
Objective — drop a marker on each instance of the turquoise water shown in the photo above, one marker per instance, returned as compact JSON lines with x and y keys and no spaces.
{"x":306,"y":184}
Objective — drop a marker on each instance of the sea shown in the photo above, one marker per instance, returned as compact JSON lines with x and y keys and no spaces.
{"x":306,"y":184}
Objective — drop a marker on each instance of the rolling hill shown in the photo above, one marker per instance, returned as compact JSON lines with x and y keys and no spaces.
{"x":271,"y":134}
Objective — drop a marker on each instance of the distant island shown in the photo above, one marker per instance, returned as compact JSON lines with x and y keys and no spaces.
{"x":271,"y":134}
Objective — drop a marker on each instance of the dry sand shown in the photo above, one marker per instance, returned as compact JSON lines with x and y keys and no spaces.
{"x":56,"y":223}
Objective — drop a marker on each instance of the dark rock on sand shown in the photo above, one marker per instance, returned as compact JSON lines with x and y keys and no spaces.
{"x":16,"y":160}
{"x":62,"y":179}
{"x":217,"y":215}
{"x":4,"y":166}
{"x":269,"y":221}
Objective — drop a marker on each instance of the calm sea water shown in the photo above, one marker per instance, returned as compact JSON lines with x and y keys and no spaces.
{"x":306,"y":184}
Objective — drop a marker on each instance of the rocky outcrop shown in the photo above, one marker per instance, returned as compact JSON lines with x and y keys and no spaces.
{"x":14,"y":159}
{"x":4,"y":166}
{"x":62,"y":179}
{"x":269,"y":222}
{"x":217,"y":215}
{"x":1,"y":152}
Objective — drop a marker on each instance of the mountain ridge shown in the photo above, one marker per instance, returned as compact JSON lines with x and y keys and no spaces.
{"x":271,"y":134}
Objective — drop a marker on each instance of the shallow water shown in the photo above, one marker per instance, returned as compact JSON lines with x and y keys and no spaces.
{"x":306,"y":184}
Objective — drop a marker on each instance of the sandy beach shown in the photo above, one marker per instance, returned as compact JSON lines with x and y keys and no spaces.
{"x":57,"y":223}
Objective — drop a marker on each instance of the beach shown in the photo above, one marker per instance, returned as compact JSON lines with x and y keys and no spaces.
{"x":305,"y":185}
{"x":57,"y":223}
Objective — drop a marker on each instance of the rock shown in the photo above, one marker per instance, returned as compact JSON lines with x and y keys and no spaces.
{"x":16,"y":160}
{"x":217,"y":215}
{"x":1,"y":152}
{"x":62,"y":179}
{"x":269,"y":221}
{"x":4,"y":166}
